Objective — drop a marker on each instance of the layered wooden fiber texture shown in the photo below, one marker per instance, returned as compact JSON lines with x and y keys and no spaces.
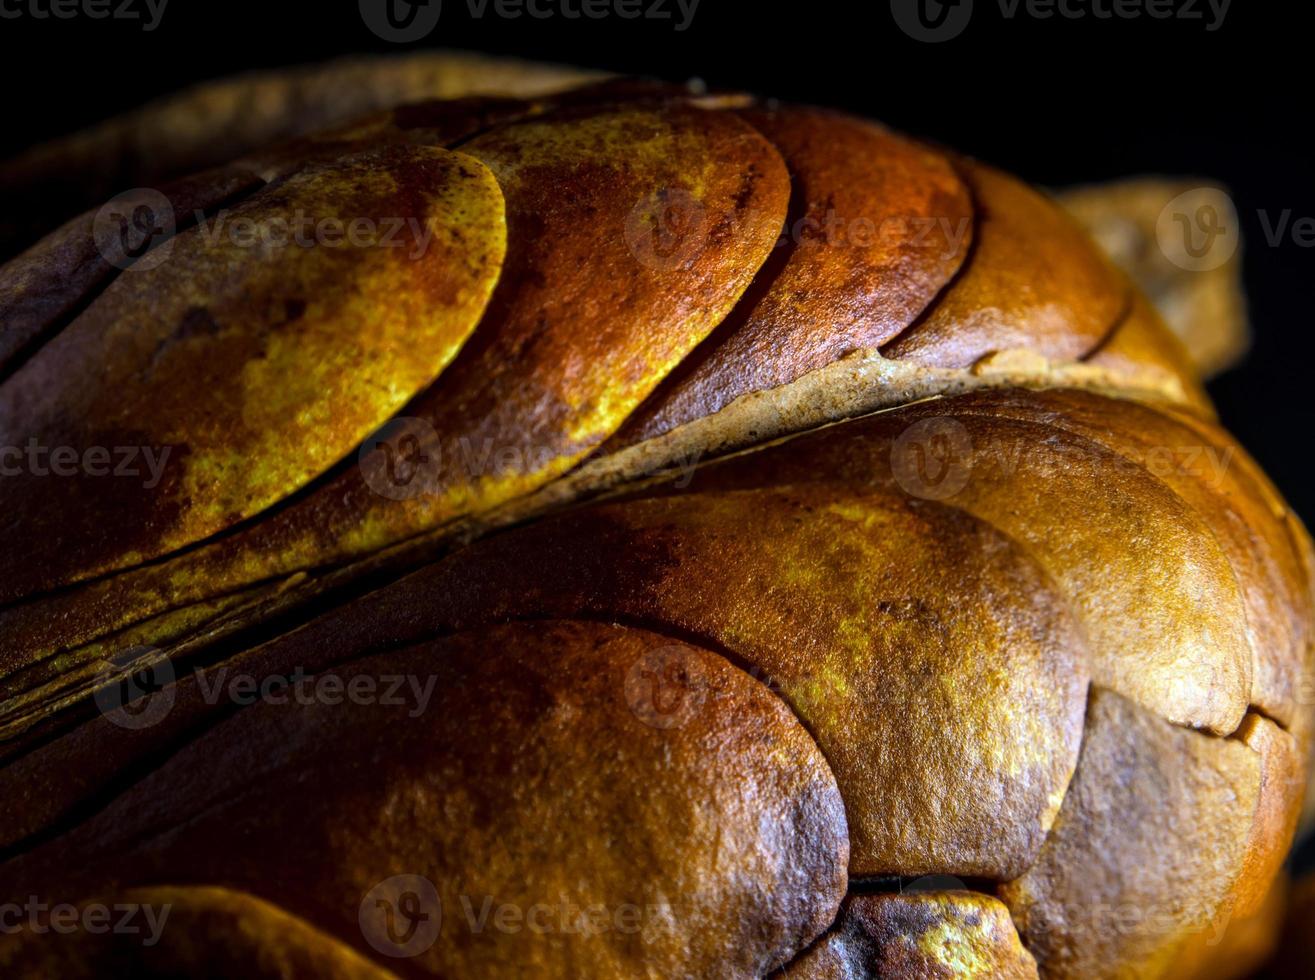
{"x":707,"y":538}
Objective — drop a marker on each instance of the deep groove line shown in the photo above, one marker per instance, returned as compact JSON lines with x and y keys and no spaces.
{"x":759,"y":286}
{"x":83,"y":810}
{"x":19,"y":358}
{"x":969,"y":261}
{"x":1120,"y":321}
{"x":336,"y":469}
{"x":282,"y":621}
{"x":885,"y":885}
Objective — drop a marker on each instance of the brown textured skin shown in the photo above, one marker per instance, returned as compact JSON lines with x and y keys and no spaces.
{"x":921,"y":934}
{"x":881,"y":621}
{"x":878,"y":227}
{"x":713,"y":835}
{"x":1189,"y":658}
{"x":252,"y":397}
{"x":46,"y":284}
{"x":531,"y":392}
{"x":1143,"y":341}
{"x":1149,"y":852}
{"x":1046,"y":629}
{"x":1035,"y":283}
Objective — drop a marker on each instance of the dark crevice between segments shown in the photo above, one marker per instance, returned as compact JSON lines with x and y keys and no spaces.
{"x":892,"y":885}
{"x":239,"y":629}
{"x":969,"y":259}
{"x":761,"y":284}
{"x":1259,"y":712}
{"x":1124,"y":315}
{"x":14,"y":362}
{"x":130,"y":775}
{"x":475,"y":342}
{"x":272,"y":628}
{"x":899,"y":884}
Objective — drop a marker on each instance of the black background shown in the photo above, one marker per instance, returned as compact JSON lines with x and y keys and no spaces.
{"x":1058,"y":100}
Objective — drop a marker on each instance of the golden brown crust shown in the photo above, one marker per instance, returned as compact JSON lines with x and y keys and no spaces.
{"x":882,"y":622}
{"x":1142,"y":342}
{"x":531,"y":393}
{"x":903,"y":611}
{"x":878,"y":227}
{"x":634,"y":774}
{"x":919,"y":934}
{"x":1034,"y":283}
{"x":43,"y":287}
{"x":1156,"y":593}
{"x":1148,"y":851}
{"x":306,"y":317}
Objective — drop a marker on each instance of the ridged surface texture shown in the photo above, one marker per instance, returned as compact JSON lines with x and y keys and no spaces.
{"x":709,"y":538}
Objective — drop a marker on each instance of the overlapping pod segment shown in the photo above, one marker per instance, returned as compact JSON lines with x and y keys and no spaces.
{"x":541,"y":778}
{"x":579,"y":329}
{"x":933,"y":656}
{"x":647,"y":311}
{"x":1037,"y":624}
